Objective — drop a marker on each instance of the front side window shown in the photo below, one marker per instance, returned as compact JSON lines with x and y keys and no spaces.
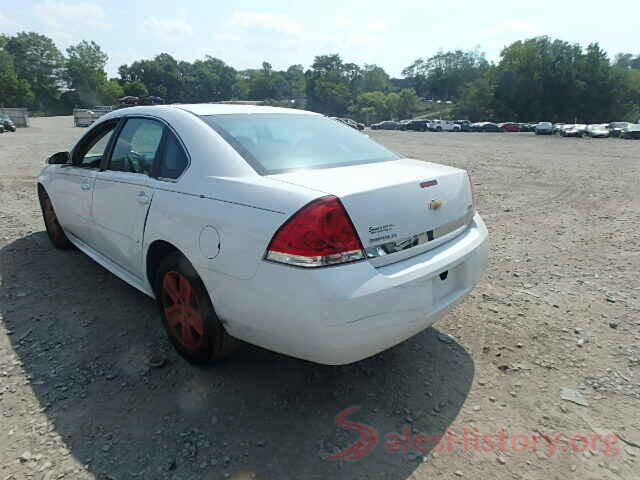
{"x":273,"y":143}
{"x":137,"y":146}
{"x":92,"y":149}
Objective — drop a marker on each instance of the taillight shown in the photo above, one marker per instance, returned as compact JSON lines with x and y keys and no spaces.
{"x":474,"y":196}
{"x":319,"y":234}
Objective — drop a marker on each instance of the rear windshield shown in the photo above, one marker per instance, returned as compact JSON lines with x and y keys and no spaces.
{"x":274,"y":143}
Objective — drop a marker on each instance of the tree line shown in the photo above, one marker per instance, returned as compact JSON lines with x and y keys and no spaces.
{"x":535,"y":79}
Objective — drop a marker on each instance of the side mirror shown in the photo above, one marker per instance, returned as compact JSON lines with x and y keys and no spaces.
{"x":60,"y":158}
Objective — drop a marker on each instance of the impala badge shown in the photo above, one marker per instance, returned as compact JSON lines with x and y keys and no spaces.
{"x":435,"y":204}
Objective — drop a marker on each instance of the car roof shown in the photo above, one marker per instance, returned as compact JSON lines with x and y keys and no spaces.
{"x":226,"y":108}
{"x":204,"y":109}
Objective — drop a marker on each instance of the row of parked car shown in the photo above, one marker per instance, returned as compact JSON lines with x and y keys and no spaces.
{"x":613,"y":129}
{"x":6,"y":124}
{"x":625,"y":130}
{"x":452,"y":126}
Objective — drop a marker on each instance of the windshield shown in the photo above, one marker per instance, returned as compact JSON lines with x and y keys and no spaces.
{"x":273,"y":143}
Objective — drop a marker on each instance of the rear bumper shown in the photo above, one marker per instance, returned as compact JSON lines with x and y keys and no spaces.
{"x":342,"y":314}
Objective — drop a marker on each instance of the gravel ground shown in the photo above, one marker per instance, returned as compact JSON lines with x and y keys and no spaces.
{"x":558,"y":308}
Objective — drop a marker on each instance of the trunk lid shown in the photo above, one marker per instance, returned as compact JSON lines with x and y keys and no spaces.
{"x":400,"y":208}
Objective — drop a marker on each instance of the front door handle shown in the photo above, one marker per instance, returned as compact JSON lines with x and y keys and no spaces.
{"x":143,"y":198}
{"x":85,"y":186}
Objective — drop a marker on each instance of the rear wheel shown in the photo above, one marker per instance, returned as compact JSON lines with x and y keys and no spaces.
{"x":188,"y":314}
{"x":55,"y":232}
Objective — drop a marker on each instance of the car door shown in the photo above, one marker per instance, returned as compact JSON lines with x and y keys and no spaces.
{"x":123,"y":193}
{"x":73,"y":185}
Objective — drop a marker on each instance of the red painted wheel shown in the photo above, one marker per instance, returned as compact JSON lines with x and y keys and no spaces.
{"x":54,"y":230}
{"x":182,"y":311}
{"x":187,"y":313}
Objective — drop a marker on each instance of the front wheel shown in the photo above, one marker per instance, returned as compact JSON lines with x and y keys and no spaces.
{"x":55,"y":232}
{"x":187,"y":313}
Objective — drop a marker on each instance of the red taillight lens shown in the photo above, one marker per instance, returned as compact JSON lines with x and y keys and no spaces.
{"x":319,"y":234}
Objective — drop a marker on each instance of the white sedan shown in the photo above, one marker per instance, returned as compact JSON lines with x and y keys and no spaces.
{"x":279,"y":227}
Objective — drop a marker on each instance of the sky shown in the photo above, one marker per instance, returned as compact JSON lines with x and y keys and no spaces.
{"x":391,"y":34}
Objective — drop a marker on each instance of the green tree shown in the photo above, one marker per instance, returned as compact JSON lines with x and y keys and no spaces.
{"x":476,"y":101}
{"x":628,"y":61}
{"x":134,"y":89}
{"x":296,"y":83}
{"x":409,"y":103}
{"x":444,"y":74}
{"x":84,"y":73}
{"x":37,"y":60}
{"x":14,"y":91}
{"x":370,"y":106}
{"x":374,"y":79}
{"x":331,"y":85}
{"x":109,"y":92}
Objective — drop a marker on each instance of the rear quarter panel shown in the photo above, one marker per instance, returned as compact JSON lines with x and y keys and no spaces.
{"x":244,"y":232}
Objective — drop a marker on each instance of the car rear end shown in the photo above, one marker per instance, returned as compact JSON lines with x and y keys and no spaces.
{"x":382,"y":251}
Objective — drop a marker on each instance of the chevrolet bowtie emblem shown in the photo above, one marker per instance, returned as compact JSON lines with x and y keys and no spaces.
{"x":435,"y":204}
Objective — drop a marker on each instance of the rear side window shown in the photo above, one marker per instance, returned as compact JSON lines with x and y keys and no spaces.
{"x":173,"y":160}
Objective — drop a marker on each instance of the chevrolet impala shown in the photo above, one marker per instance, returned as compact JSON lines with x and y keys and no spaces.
{"x":278,"y":227}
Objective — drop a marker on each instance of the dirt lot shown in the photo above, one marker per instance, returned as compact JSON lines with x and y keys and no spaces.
{"x":559,"y":307}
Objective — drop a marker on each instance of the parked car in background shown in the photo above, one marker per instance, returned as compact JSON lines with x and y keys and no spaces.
{"x":485,"y":127}
{"x":444,"y":126}
{"x":131,"y":101}
{"x":510,"y":127}
{"x":417,"y":125}
{"x":275,"y":226}
{"x":1,"y":128}
{"x":386,"y":125}
{"x":615,"y":128}
{"x":597,"y":131}
{"x":544,"y":128}
{"x":631,"y":131}
{"x":528,"y":127}
{"x":7,"y":124}
{"x":402,"y":124}
{"x":465,"y":125}
{"x":574,"y":131}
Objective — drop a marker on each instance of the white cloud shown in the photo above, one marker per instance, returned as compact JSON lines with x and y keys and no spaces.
{"x":59,"y":16}
{"x":167,"y":28}
{"x":276,"y":22}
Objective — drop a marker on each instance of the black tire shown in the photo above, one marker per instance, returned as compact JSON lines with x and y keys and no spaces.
{"x":54,"y":231}
{"x":188,"y":310}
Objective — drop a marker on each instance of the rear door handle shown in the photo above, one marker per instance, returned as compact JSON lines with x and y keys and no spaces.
{"x":143,"y":198}
{"x":85,"y":186}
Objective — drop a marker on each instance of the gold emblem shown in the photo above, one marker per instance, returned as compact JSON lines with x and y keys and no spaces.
{"x":435,"y":204}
